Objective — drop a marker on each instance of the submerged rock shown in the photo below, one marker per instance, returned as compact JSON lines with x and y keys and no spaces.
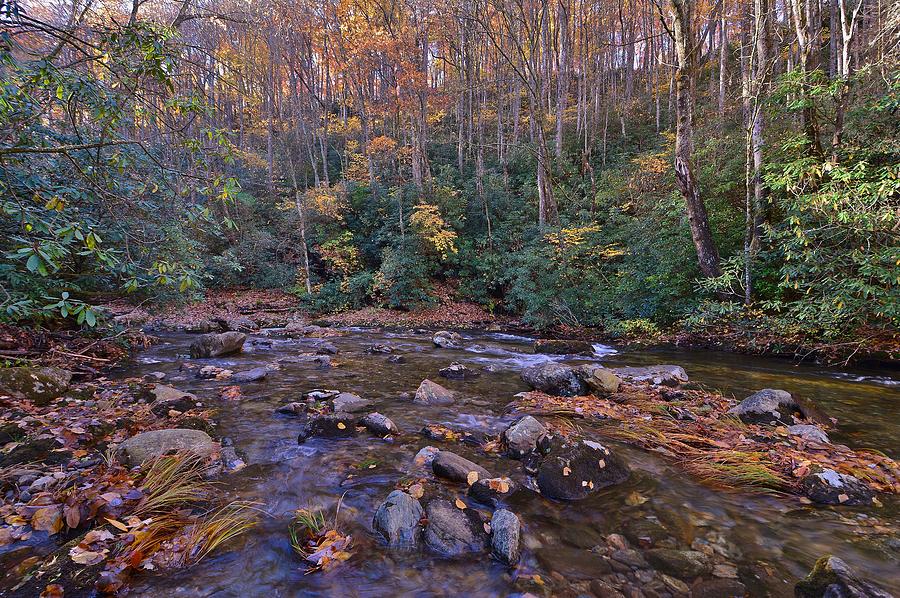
{"x":36,"y":384}
{"x":447,"y":340}
{"x":455,"y":468}
{"x":379,"y":424}
{"x":149,"y":445}
{"x":657,"y":375}
{"x":347,"y":402}
{"x":554,"y":379}
{"x":214,"y":345}
{"x":718,"y":588}
{"x":433,"y":394}
{"x":598,"y":378}
{"x":521,"y":437}
{"x":379,"y":349}
{"x":506,"y":531}
{"x":338,"y":425}
{"x":458,"y":371}
{"x":684,"y":564}
{"x":452,"y":531}
{"x":575,"y":469}
{"x":832,"y":578}
{"x":563,"y":347}
{"x":293,"y":408}
{"x":397,"y":519}
{"x":829,"y":487}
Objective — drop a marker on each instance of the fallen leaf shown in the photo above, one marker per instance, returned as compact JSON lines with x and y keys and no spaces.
{"x":97,"y":535}
{"x":53,"y":590}
{"x":47,"y":519}
{"x":341,"y":426}
{"x":117,"y":524}
{"x":471,"y":477}
{"x":87,"y":557}
{"x":634,"y":499}
{"x":460,"y":504}
{"x":416,"y":491}
{"x":566,"y":471}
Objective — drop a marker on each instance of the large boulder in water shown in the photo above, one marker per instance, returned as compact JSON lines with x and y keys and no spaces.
{"x":598,"y":379}
{"x":768,"y":406}
{"x":36,"y":384}
{"x":576,"y":468}
{"x":563,"y":347}
{"x":828,"y":487}
{"x":521,"y":437}
{"x":337,"y":425}
{"x":397,"y":519}
{"x":379,"y":424}
{"x":458,"y":469}
{"x":452,"y":531}
{"x":832,"y":578}
{"x":214,"y":345}
{"x":506,"y":531}
{"x":149,"y":445}
{"x":433,"y":394}
{"x":554,"y":379}
{"x":447,"y":340}
{"x":657,"y":375}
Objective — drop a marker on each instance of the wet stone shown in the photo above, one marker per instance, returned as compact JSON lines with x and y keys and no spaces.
{"x":575,"y":469}
{"x":491,"y":491}
{"x":447,"y":340}
{"x":215,"y":345}
{"x":347,"y":402}
{"x":378,"y":424}
{"x":554,"y":379}
{"x":718,"y":588}
{"x":829,"y":487}
{"x":458,"y":371}
{"x":338,"y":425}
{"x":455,"y":468}
{"x":684,"y":564}
{"x":657,"y":375}
{"x":832,"y":578}
{"x":521,"y":437}
{"x":809,"y":432}
{"x":433,"y":394}
{"x":768,"y":406}
{"x":452,"y":531}
{"x":254,"y":375}
{"x":505,"y":536}
{"x":397,"y":519}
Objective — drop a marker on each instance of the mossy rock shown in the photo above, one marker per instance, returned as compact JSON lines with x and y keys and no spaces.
{"x":36,"y":384}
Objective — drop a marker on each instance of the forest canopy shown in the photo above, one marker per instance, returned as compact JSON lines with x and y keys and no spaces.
{"x":627,"y":165}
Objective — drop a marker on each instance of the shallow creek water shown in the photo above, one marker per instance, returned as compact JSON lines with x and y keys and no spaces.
{"x":772,"y":541}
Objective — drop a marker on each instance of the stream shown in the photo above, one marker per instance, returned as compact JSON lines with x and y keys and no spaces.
{"x":772,"y":541}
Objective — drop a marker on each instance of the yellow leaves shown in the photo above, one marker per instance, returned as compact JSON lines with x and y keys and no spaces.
{"x":428,"y":223}
{"x":55,"y":203}
{"x":117,"y":524}
{"x":382,"y":147}
{"x":341,"y":426}
{"x":471,"y":477}
{"x":460,"y":504}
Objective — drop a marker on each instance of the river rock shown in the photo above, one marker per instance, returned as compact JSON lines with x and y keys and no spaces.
{"x":458,"y":371}
{"x":574,"y":469}
{"x":239,"y":323}
{"x":38,"y":450}
{"x":455,"y":468}
{"x":506,"y":531}
{"x":832,"y":578}
{"x":829,"y":487}
{"x":657,"y":375}
{"x":203,"y":327}
{"x":598,"y":378}
{"x":36,"y":384}
{"x":809,"y":432}
{"x":767,"y":406}
{"x":253,"y":375}
{"x":338,"y":425}
{"x":563,"y":347}
{"x":433,"y":394}
{"x":327,"y":348}
{"x":684,"y":564}
{"x":452,"y":531}
{"x":294,"y":408}
{"x":379,"y":424}
{"x":718,"y":588}
{"x":447,"y":340}
{"x":554,"y":379}
{"x":347,"y":402}
{"x":397,"y":519}
{"x":169,"y":398}
{"x":521,"y":437}
{"x":214,"y":345}
{"x":491,"y":491}
{"x":379,"y":349}
{"x":149,"y":445}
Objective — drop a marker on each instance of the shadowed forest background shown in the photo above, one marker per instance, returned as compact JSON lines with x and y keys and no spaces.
{"x":633,"y":165}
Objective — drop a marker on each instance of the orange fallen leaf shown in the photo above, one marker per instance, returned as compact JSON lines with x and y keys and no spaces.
{"x":460,"y":504}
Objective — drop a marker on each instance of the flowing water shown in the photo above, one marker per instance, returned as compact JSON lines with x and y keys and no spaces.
{"x":773,"y":542}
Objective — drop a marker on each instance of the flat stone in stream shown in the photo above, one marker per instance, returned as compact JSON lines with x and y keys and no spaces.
{"x":149,"y":445}
{"x":452,"y":531}
{"x":576,"y":468}
{"x":397,"y":520}
{"x":832,"y":578}
{"x":337,"y":425}
{"x":458,"y":371}
{"x":563,"y":347}
{"x":215,"y":345}
{"x":767,"y":406}
{"x":828,"y":487}
{"x":657,"y":375}
{"x":253,"y":375}
{"x":433,"y":394}
{"x":809,"y":432}
{"x":521,"y":437}
{"x":506,"y":531}
{"x":36,"y":384}
{"x":455,"y":468}
{"x":447,"y":340}
{"x":379,"y":424}
{"x":683,"y":564}
{"x":554,"y":379}
{"x":347,"y":402}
